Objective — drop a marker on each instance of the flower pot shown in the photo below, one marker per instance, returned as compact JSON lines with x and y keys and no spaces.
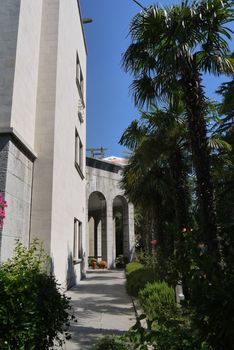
{"x":94,"y":264}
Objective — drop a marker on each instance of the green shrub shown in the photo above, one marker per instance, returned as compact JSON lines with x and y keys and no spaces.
{"x":137,"y":279}
{"x":32,"y":309}
{"x":111,"y":342}
{"x":132,"y":266}
{"x":174,"y":333}
{"x":158,"y":299}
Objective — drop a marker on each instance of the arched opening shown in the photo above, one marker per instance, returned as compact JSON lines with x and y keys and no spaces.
{"x":121,"y":226}
{"x":97,"y":242}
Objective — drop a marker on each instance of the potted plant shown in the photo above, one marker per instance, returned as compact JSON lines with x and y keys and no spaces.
{"x":94,"y":263}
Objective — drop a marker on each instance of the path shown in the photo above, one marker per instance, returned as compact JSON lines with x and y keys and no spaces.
{"x":101,"y":306}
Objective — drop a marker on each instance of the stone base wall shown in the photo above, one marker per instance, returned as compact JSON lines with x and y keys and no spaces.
{"x":16,"y":167}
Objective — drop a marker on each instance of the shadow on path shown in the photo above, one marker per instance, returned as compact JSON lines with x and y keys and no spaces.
{"x":101,"y":306}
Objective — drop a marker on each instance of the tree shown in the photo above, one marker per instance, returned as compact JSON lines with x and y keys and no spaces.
{"x":158,"y":181}
{"x":171,"y":48}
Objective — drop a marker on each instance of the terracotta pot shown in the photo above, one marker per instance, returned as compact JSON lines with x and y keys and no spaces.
{"x":94,"y":264}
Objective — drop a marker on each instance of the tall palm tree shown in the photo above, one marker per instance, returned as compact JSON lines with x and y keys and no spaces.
{"x":170,"y":48}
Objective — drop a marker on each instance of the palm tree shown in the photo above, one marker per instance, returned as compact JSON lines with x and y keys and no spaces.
{"x":170,"y":48}
{"x":157,"y":181}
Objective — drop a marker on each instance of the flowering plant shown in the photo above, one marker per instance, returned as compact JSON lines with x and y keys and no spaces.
{"x":3,"y":205}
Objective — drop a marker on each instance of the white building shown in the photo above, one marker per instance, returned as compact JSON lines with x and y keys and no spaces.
{"x":43,"y":141}
{"x":43,"y":129}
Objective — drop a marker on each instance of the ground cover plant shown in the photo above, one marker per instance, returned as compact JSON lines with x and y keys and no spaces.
{"x":33,"y":310}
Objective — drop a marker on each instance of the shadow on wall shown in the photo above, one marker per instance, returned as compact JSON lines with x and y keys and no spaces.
{"x":73,"y":269}
{"x":71,"y":273}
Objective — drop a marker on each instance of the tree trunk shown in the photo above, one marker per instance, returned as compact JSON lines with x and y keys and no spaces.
{"x":195,"y":105}
{"x":180,"y":189}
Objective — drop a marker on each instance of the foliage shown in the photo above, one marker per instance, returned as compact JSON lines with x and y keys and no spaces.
{"x":91,"y":259}
{"x":158,"y":299}
{"x":163,"y":60}
{"x":166,"y":269}
{"x":121,"y":261}
{"x":137,"y":279}
{"x":3,"y":205}
{"x":132,"y":266}
{"x":33,"y":311}
{"x":102,"y":264}
{"x":111,"y":343}
{"x":175,"y":333}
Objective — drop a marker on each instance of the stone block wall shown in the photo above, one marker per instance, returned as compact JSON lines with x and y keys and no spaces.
{"x":16,"y":167}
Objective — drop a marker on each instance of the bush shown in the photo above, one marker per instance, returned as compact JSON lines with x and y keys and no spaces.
{"x":158,"y":299}
{"x":112,"y":342}
{"x":121,"y":261}
{"x":137,"y":279}
{"x":132,"y":267}
{"x":167,"y":326}
{"x":32,"y":309}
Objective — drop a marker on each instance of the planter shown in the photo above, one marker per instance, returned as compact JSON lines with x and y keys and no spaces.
{"x":94,"y":265}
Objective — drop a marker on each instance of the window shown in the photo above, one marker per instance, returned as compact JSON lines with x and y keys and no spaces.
{"x":78,"y":154}
{"x":77,"y":241}
{"x":79,"y":76}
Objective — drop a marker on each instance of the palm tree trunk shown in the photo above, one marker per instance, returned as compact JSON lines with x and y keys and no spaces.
{"x":195,"y":105}
{"x":180,"y":188}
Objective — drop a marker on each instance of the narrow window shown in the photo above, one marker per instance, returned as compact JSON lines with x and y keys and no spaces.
{"x":77,"y":241}
{"x":78,"y":154}
{"x":79,"y":76}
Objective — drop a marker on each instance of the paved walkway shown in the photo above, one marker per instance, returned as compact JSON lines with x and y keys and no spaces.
{"x":101,"y":306}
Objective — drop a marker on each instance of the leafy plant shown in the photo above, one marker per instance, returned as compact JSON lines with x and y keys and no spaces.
{"x":33,"y":310}
{"x":132,"y":266}
{"x":137,"y":280}
{"x":158,"y":299}
{"x":111,"y":342}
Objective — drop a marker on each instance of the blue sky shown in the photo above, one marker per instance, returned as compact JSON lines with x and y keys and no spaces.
{"x":110,"y":108}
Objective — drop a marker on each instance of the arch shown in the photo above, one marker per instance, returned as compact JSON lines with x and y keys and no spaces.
{"x":97,"y":233}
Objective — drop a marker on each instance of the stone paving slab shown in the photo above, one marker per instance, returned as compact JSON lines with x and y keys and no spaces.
{"x":101,"y":306}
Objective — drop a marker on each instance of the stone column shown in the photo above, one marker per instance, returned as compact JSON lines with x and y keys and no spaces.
{"x":131,"y":230}
{"x":128,"y":228}
{"x":110,"y":243}
{"x":99,"y":238}
{"x":114,"y":239}
{"x":104,"y":240}
{"x":91,"y":234}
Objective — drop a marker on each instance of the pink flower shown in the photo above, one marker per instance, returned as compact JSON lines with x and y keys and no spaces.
{"x":184,"y":229}
{"x":154,"y":242}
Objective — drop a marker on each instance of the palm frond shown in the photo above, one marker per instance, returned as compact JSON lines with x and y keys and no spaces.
{"x":217,"y":143}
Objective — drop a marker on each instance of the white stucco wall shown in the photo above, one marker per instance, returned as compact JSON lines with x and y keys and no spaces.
{"x":68,"y":186}
{"x":58,"y":188}
{"x":26,"y":70}
{"x":45,"y":118}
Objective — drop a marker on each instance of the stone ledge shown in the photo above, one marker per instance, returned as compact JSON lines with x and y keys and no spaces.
{"x":20,"y":141}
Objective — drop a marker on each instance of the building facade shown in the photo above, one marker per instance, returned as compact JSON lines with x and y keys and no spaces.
{"x":43,"y":130}
{"x":110,"y":217}
{"x":43,"y":144}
